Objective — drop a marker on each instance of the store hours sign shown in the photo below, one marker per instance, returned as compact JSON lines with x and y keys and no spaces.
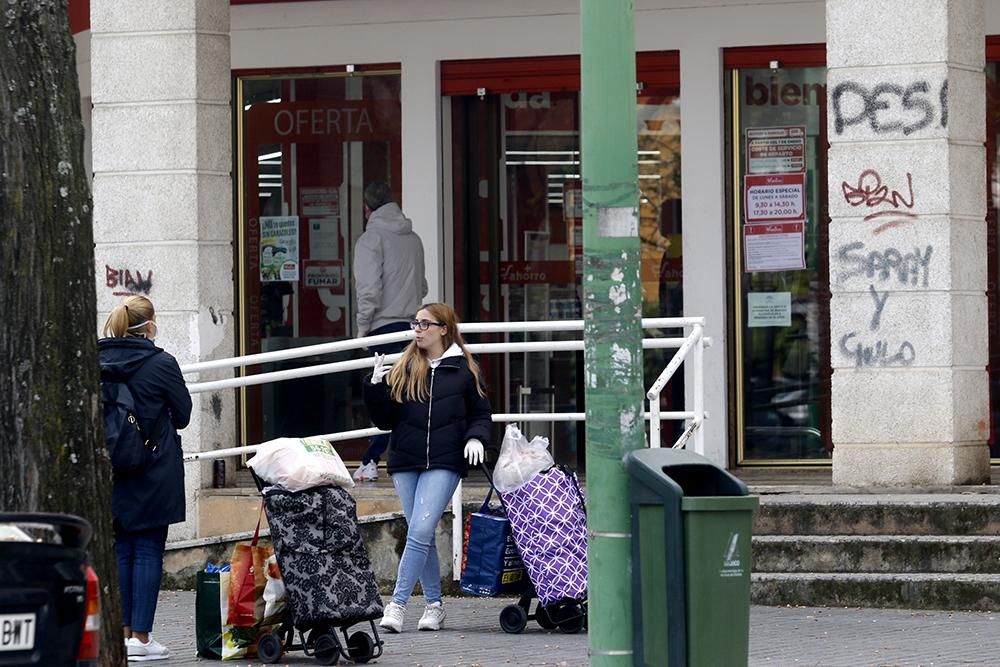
{"x":775,"y":197}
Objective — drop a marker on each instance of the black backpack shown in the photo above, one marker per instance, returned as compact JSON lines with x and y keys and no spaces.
{"x":128,"y":445}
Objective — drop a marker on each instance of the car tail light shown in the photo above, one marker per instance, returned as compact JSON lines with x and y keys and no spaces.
{"x":90,"y":641}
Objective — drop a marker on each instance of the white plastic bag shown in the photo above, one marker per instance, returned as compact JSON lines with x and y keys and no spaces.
{"x":295,"y":464}
{"x":275,"y":596}
{"x":520,"y":460}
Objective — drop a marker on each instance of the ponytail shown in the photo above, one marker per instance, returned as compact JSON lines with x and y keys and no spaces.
{"x":131,"y":313}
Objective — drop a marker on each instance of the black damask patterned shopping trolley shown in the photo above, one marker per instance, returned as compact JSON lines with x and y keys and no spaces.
{"x":327,"y":573}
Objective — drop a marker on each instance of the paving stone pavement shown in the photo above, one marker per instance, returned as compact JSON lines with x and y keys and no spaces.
{"x":779,"y":636}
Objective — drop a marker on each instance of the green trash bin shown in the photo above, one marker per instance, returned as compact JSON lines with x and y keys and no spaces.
{"x":691,"y":524}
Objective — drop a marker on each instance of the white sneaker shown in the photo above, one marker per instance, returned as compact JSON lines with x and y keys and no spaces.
{"x":152,"y":650}
{"x":366,"y":472}
{"x":392,"y":617}
{"x":433,"y":617}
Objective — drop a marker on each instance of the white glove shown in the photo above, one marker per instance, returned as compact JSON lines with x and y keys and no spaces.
{"x":474,"y":452}
{"x":380,"y":369}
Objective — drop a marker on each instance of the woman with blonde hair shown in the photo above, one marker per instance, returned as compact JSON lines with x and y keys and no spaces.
{"x":145,"y":499}
{"x":434,"y":403}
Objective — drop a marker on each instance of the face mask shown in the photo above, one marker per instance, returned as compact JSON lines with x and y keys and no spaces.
{"x":145,"y":334}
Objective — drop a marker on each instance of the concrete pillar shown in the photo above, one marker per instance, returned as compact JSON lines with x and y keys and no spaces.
{"x":421,"y":137}
{"x":162,"y":189}
{"x":704,"y":213}
{"x":907,"y":179}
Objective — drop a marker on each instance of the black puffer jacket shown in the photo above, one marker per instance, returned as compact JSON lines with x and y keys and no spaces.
{"x":432,"y":433}
{"x":153,"y":496}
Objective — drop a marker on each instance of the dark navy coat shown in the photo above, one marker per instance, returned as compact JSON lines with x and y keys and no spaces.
{"x":432,"y":433}
{"x":153,"y":496}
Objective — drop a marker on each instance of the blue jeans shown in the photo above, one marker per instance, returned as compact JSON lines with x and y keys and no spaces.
{"x":424,"y":495}
{"x":140,"y":568}
{"x":377,"y":444}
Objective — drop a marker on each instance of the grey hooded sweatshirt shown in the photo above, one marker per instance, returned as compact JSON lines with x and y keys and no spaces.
{"x":388,"y":270}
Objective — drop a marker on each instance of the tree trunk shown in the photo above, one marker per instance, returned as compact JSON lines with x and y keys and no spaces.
{"x":52,"y":454}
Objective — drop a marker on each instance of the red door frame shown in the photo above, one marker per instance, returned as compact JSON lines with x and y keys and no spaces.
{"x":250,"y":277}
{"x":654,"y":69}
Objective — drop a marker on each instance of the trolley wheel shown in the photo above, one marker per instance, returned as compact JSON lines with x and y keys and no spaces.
{"x":269,"y":648}
{"x":360,"y":647}
{"x":326,"y":650}
{"x":571,"y":619}
{"x":543,"y":617}
{"x":314,"y":633}
{"x":513,"y":618}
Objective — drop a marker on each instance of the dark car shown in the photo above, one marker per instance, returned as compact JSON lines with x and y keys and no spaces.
{"x":49,"y":601}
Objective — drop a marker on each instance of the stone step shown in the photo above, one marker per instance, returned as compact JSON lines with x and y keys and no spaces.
{"x":976,"y":554}
{"x":384,"y":536}
{"x":973,"y":592}
{"x":889,"y":514}
{"x":234,"y":510}
{"x":935,"y":550}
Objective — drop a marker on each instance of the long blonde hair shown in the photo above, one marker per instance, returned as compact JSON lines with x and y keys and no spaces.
{"x":128,"y":317}
{"x":408,"y":377}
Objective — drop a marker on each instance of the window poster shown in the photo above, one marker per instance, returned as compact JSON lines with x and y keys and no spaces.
{"x":324,"y":238}
{"x":769,"y":309}
{"x":279,"y":248}
{"x":774,"y":247}
{"x":319,"y":201}
{"x":776,"y":150}
{"x":771,"y":197}
{"x":324,"y":274}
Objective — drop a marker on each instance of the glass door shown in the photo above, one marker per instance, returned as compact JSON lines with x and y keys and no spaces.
{"x":518,"y":236}
{"x":308,"y":146}
{"x":778,"y":250}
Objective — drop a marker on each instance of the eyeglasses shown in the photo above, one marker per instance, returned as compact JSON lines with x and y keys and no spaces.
{"x":424,"y":325}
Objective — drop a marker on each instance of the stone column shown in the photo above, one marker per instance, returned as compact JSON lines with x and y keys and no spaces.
{"x":421,"y":137}
{"x":907,"y":197}
{"x":704,"y":200}
{"x":162,"y":189}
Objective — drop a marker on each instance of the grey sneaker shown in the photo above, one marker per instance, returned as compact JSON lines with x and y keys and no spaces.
{"x":433,"y":617}
{"x":152,"y":650}
{"x":392,"y":617}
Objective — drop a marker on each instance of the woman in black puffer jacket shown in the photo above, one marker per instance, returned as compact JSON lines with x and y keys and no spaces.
{"x":434,"y":403}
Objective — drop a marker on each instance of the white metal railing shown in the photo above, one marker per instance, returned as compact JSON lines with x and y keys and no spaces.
{"x":692,"y":344}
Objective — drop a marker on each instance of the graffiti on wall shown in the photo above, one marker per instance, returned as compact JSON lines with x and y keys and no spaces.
{"x":870,"y":192}
{"x":890,"y":108}
{"x":868,"y":344}
{"x":126,"y":282}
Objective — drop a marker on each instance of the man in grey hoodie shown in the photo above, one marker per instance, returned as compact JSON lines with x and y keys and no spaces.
{"x":390,"y":284}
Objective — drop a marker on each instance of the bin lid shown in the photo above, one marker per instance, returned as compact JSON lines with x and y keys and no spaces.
{"x":671,"y":473}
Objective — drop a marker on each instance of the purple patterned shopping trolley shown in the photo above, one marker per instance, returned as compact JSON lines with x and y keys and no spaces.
{"x":548,"y":519}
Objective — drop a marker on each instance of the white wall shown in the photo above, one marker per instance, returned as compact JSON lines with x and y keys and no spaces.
{"x":421,"y":34}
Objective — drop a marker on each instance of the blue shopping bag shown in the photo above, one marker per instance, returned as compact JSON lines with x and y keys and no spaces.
{"x":491,"y":564}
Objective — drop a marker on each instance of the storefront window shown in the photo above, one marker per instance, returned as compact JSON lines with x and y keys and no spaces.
{"x":780,"y":297}
{"x":307,"y":147}
{"x":518,"y":236}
